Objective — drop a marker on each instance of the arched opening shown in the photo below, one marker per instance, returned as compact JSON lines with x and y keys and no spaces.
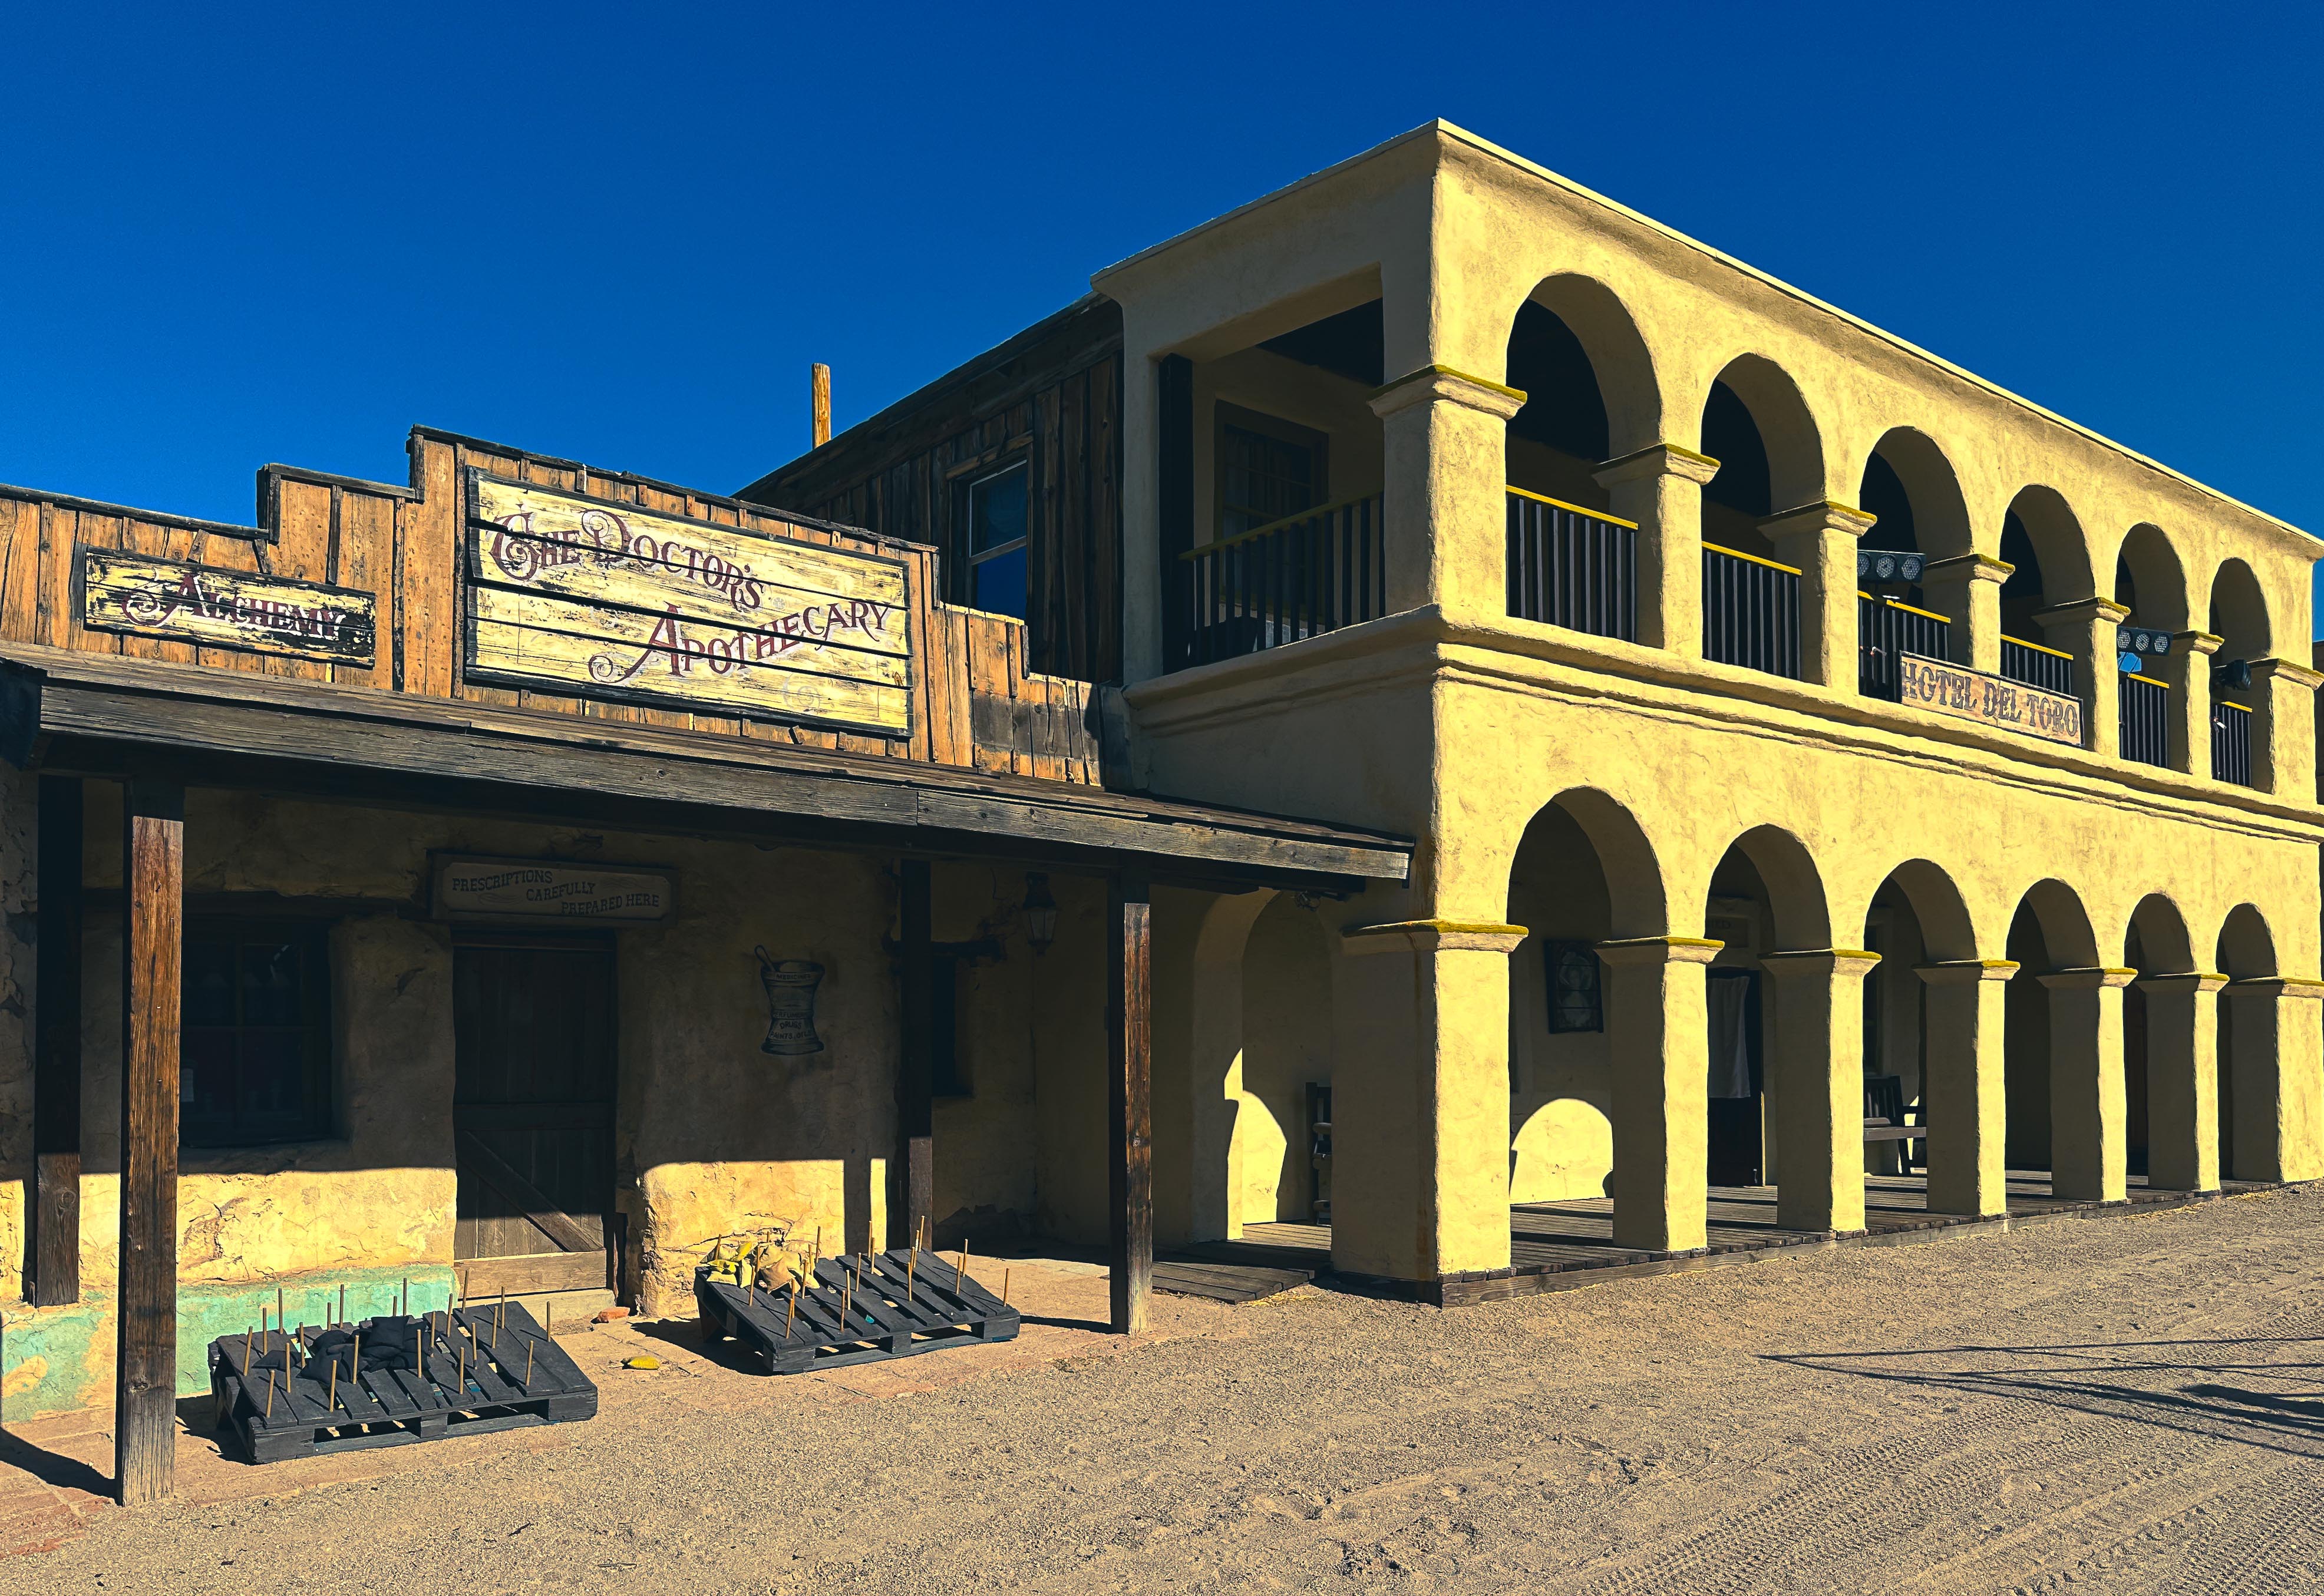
{"x":1757,"y":426}
{"x":2044,"y":542}
{"x":1916,"y":917}
{"x":1765,"y":898}
{"x":1281,"y":1085}
{"x":1915,"y":502}
{"x":2049,"y":933}
{"x":2151,"y":586}
{"x":2246,"y":1050}
{"x":2156,"y":943}
{"x":2239,"y":619}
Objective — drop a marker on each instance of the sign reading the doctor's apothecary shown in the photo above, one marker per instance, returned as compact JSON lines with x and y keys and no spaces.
{"x":537,"y":889}
{"x":602,"y":599}
{"x":220,"y":608}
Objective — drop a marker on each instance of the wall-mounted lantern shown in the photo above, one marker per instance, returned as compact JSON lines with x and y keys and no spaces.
{"x":790,"y":986}
{"x":1041,"y":912}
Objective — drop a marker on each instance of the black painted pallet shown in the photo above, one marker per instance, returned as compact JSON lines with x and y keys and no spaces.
{"x":858,"y":1309}
{"x":483,"y":1368}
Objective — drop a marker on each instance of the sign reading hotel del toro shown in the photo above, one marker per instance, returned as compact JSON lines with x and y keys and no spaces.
{"x":606,"y":600}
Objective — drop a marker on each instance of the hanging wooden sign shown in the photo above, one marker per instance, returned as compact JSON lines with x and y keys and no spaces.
{"x":1973,"y":695}
{"x":219,"y":608}
{"x":606,"y":600}
{"x":530,"y":891}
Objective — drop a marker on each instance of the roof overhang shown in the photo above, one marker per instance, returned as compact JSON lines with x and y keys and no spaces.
{"x":69,"y":713}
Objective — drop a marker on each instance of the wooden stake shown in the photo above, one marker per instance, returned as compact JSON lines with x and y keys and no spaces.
{"x":270,"y":1396}
{"x":959,"y":1267}
{"x":279,"y":1320}
{"x":790,"y":1314}
{"x":331,"y":1402}
{"x":1004,"y":1288}
{"x":552,"y":1316}
{"x":528,"y":1364}
{"x":342,"y":1302}
{"x":819,"y":402}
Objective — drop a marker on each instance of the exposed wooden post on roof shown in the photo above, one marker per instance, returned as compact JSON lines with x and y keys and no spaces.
{"x":912,"y":1172}
{"x":56,"y":1048}
{"x":822,"y":403}
{"x":1130,"y":1092}
{"x":145,"y":1385}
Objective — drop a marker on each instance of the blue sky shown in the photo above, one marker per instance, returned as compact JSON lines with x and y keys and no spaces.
{"x":230,"y":235}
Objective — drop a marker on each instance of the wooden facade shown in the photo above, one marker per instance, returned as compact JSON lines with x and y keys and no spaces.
{"x":979,"y":702}
{"x":1050,"y":397}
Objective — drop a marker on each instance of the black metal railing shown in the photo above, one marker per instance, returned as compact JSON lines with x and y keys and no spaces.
{"x":1573,"y":567}
{"x":1750,"y":612}
{"x":2037,"y":665}
{"x":1886,"y":630}
{"x":1302,"y":576}
{"x":2145,"y":723}
{"x":2231,"y":741}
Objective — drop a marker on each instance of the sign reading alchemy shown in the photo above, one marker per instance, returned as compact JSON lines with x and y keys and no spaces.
{"x":612,"y":601}
{"x":217,"y":607}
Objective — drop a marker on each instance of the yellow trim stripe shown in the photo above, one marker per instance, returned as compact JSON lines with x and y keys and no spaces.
{"x":1754,"y":560}
{"x":2231,"y":703}
{"x":1578,"y":510}
{"x":2037,"y":648}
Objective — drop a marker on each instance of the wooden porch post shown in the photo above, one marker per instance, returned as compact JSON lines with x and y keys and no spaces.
{"x":912,"y":1193}
{"x":56,"y":1048}
{"x":145,"y":1385}
{"x":1129,"y":1091}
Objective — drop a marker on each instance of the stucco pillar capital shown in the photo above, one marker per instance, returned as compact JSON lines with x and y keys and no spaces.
{"x":2103,"y":978}
{"x":1657,"y":459}
{"x":2083,"y":611}
{"x":1659,"y":950}
{"x":2188,"y":982}
{"x":1840,"y":963}
{"x":2294,"y":987}
{"x":1966,"y":972}
{"x":1442,"y":385}
{"x":1967,"y":567}
{"x":1430,"y":937}
{"x":2290,"y":672}
{"x":2198,"y":643}
{"x":1829,"y":517}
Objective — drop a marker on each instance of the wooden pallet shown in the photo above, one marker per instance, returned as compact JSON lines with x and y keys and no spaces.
{"x":882,"y":1319}
{"x":477,"y":1376}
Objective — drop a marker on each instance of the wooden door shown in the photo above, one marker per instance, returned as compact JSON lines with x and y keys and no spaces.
{"x":532,"y":1111}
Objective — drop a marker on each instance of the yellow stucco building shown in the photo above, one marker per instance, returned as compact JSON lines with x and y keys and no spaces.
{"x":1431,"y":723}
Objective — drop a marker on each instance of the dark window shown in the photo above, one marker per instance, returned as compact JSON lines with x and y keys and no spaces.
{"x":1267,"y":470}
{"x":1574,"y":1000}
{"x":997,"y":570}
{"x":256,"y":1048}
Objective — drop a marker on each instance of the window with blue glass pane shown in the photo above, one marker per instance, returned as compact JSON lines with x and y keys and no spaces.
{"x":997,"y":570}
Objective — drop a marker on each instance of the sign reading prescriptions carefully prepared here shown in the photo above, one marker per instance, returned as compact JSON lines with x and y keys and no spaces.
{"x":606,"y":600}
{"x":206,"y":604}
{"x":1953,"y":689}
{"x":550,"y":889}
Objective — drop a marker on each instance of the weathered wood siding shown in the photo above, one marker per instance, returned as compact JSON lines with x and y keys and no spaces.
{"x":1051,"y":397}
{"x":977,"y":700}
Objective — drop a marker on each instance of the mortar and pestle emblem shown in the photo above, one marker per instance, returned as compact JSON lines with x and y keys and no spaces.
{"x":790,"y":986}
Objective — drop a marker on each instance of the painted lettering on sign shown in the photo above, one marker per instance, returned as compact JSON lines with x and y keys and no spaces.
{"x":209,"y":606}
{"x":613,"y":601}
{"x":545,"y":890}
{"x":1953,"y":689}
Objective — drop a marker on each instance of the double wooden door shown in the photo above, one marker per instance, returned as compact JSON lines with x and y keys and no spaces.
{"x":532,"y":1111}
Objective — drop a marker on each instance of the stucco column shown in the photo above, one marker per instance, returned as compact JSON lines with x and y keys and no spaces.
{"x":1819,"y":1087}
{"x":1963,"y":1100}
{"x":2183,"y":1081}
{"x":1660,"y":487}
{"x":1420,"y":1098}
{"x":2283,"y":741}
{"x":2188,"y":670}
{"x":2278,"y":1096}
{"x":2086,"y":629}
{"x":2089,"y":1106}
{"x":1658,"y":1042}
{"x":1445,"y":445}
{"x":1968,"y":588}
{"x":1820,"y":540}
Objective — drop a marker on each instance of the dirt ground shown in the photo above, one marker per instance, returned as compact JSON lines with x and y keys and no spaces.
{"x":2124,"y":1405}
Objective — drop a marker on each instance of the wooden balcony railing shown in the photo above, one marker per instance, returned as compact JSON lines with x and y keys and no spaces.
{"x":2145,"y":723}
{"x":2231,"y":742}
{"x":1300,"y":577}
{"x":2037,"y":665}
{"x":1573,"y":567}
{"x":1885,"y":629}
{"x":1750,"y":612}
